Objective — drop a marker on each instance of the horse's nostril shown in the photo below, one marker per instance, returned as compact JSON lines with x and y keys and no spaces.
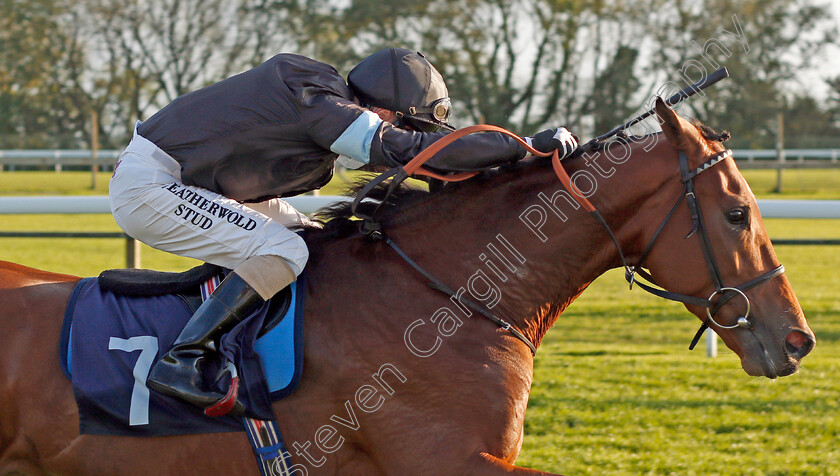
{"x":798,"y":344}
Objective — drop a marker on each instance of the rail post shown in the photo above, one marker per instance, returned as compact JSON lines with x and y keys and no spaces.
{"x":711,"y":343}
{"x":780,"y":153}
{"x":132,"y":252}
{"x":94,"y":148}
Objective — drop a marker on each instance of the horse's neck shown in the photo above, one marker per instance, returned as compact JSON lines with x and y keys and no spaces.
{"x":489,"y":237}
{"x":638,"y":192}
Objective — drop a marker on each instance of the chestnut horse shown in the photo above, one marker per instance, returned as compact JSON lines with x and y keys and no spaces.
{"x":397,"y":379}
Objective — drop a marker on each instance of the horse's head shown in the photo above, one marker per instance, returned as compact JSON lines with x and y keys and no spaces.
{"x":727,"y":247}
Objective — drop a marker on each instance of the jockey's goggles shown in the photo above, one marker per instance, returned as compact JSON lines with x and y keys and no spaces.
{"x":427,"y":119}
{"x":439,"y":110}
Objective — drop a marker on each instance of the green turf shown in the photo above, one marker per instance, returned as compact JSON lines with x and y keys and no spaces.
{"x":814,"y":184}
{"x":656,"y":408}
{"x":85,"y":257}
{"x":616,"y":391}
{"x":79,"y":183}
{"x":52,"y":183}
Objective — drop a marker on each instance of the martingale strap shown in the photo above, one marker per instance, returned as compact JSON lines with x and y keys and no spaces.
{"x":370,"y":221}
{"x":440,"y":286}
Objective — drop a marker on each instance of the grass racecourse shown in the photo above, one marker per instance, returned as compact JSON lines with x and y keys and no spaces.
{"x":616,"y":391}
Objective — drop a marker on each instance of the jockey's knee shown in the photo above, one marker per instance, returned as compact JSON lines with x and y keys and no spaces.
{"x":284,"y":243}
{"x":267,"y":274}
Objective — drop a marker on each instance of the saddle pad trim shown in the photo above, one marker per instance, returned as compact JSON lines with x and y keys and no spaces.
{"x":273,"y":459}
{"x":66,"y":329}
{"x":297,"y":314}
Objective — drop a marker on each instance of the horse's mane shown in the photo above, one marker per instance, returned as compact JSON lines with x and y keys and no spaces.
{"x":336,"y":221}
{"x":403,"y":194}
{"x":709,"y":133}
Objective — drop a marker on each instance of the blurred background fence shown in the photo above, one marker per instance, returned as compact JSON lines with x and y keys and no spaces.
{"x":61,"y":159}
{"x":100,"y":205}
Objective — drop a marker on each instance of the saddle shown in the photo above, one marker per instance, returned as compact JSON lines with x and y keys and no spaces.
{"x":147,"y":282}
{"x":133,"y":282}
{"x":117,"y":323}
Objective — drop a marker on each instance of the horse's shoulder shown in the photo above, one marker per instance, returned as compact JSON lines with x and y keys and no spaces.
{"x":13,"y":275}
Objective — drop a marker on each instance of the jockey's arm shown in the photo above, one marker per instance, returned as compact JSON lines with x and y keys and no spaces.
{"x":392,"y":145}
{"x":351,"y":130}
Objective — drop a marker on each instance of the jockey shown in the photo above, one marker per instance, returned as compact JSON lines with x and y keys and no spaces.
{"x":203,"y":176}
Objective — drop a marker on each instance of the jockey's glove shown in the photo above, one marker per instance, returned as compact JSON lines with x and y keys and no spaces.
{"x":561,"y":139}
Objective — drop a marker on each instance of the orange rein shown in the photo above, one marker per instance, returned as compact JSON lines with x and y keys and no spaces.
{"x":414,"y":167}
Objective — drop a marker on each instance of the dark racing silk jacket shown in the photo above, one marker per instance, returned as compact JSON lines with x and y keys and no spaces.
{"x":276,"y":130}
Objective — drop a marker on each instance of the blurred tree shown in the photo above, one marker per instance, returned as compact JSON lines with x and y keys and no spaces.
{"x":314,"y":28}
{"x":808,"y":125}
{"x":174,"y":45}
{"x":521,"y":64}
{"x":765,"y":44}
{"x":612,"y":97}
{"x":142,"y":54}
{"x":513,"y":63}
{"x":833,"y":105}
{"x":33,"y":109}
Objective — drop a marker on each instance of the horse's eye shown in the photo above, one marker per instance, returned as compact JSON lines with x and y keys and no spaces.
{"x":736,"y":216}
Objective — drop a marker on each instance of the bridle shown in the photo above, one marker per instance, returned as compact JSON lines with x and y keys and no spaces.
{"x":698,"y":225}
{"x":370,"y":227}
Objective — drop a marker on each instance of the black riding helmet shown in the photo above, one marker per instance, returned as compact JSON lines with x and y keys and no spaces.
{"x":405,"y":82}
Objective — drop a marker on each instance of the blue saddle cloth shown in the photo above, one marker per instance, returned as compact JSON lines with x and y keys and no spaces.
{"x":109,"y":343}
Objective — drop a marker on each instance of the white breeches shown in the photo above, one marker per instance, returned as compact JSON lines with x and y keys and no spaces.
{"x":151,"y":204}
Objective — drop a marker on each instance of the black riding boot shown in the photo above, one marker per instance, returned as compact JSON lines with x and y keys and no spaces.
{"x":179,"y":373}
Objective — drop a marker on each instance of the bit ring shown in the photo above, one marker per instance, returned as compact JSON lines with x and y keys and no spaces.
{"x":743,"y":321}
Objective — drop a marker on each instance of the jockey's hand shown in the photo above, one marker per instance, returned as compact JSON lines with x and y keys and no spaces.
{"x":561,"y":139}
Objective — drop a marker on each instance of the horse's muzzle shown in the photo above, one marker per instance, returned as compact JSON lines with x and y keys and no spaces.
{"x":798,"y":344}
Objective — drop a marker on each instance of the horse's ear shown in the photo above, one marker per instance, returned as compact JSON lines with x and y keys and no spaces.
{"x":672,"y":125}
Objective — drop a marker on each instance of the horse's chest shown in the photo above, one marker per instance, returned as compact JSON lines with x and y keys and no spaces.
{"x":486,"y":406}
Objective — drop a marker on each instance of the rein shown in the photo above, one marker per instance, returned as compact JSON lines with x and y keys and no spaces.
{"x":372,"y":228}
